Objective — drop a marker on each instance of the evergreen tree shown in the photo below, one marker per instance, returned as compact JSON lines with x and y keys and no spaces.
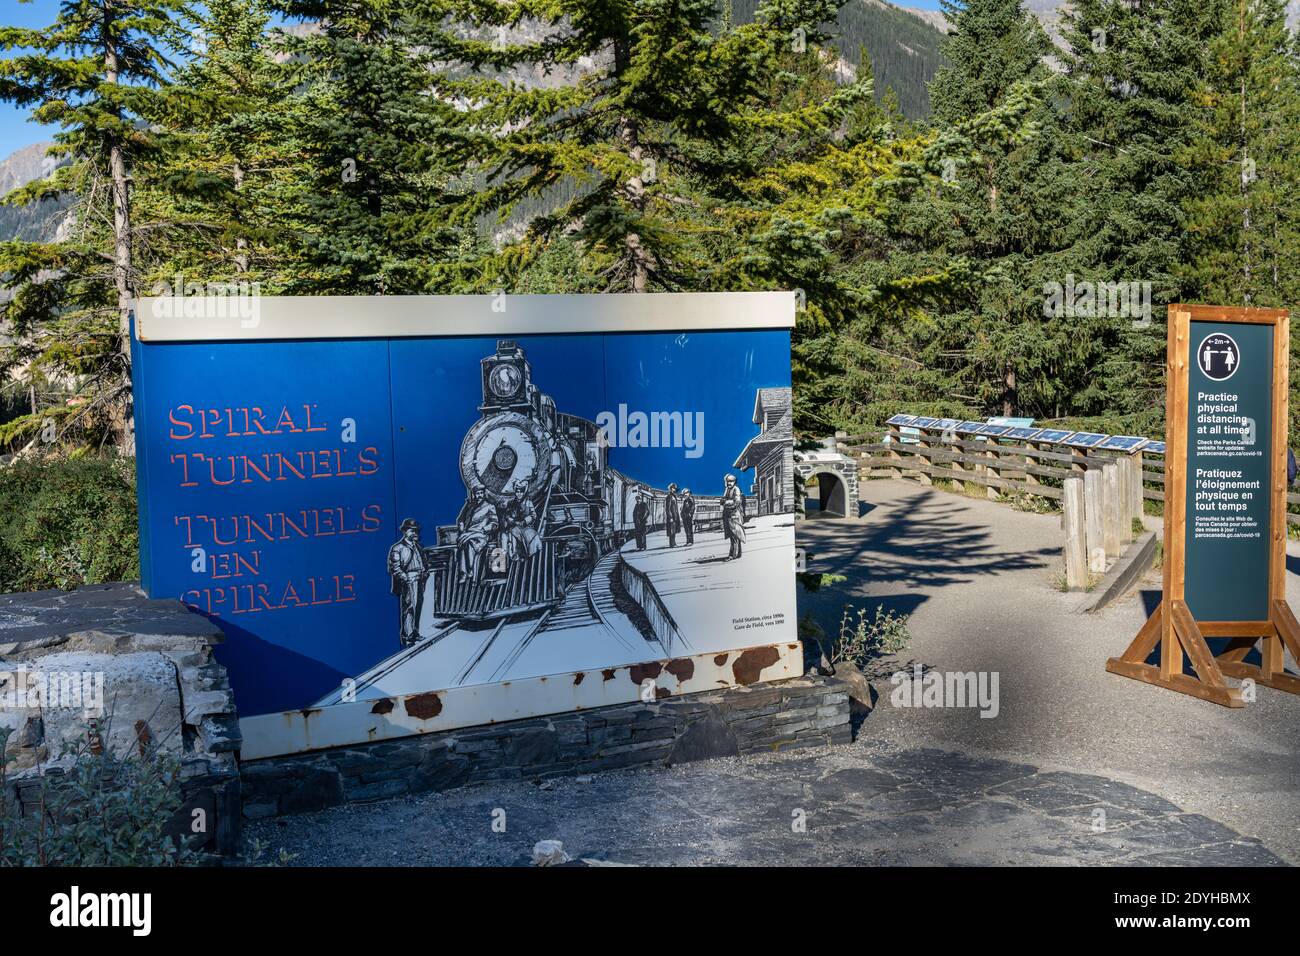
{"x":366,"y":123}
{"x":1136,"y":74}
{"x":225,"y":171}
{"x":98,"y":73}
{"x":645,"y":123}
{"x":1005,"y":200}
{"x":1245,"y":227}
{"x":992,"y":46}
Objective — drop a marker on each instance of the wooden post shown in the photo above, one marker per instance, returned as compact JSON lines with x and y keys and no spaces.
{"x":1139,"y":507}
{"x":955,"y":465}
{"x":1076,"y":559}
{"x":993,"y":469}
{"x":927,"y":460}
{"x":1130,"y":483}
{"x":1093,"y":516}
{"x":1030,"y":477}
{"x":978,"y":468}
{"x":895,"y":437}
{"x":1125,"y":499}
{"x":1110,"y":508}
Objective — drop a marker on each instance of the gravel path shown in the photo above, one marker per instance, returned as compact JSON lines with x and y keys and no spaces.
{"x":979,"y":579}
{"x":868,"y":803}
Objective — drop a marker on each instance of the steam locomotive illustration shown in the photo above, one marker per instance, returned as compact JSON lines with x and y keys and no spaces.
{"x":542,"y":507}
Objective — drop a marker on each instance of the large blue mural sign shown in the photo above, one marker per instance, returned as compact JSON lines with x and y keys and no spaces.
{"x":390,"y":517}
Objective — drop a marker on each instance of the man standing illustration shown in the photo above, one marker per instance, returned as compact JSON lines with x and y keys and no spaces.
{"x":688,"y":516}
{"x":520,"y":516}
{"x":733,"y":517}
{"x":409,"y":571}
{"x":478,"y":524}
{"x":672,"y":519}
{"x":640,"y":518}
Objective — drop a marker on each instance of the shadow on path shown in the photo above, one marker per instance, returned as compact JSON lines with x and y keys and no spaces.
{"x":921,"y":541}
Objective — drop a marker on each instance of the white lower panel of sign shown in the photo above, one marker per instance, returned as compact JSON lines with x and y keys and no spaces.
{"x":367,"y":720}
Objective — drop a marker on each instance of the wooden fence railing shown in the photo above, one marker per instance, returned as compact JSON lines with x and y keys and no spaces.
{"x":999,"y":465}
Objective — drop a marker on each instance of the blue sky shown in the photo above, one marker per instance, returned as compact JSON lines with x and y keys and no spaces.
{"x":15,"y":129}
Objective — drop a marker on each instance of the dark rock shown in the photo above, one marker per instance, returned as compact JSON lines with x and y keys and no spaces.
{"x":699,"y":727}
{"x":363,"y":793}
{"x":315,"y":789}
{"x":705,"y":739}
{"x":440,"y":770}
{"x":33,"y":732}
{"x":533,"y":746}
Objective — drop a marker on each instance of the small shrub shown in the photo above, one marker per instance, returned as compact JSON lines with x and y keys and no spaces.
{"x":65,"y":522}
{"x":103,"y":810}
{"x":1060,"y":583}
{"x":861,"y":638}
{"x":1034,"y":504}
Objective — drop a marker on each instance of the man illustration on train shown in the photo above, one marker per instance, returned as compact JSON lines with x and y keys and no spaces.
{"x":519,"y":521}
{"x":477,"y":527}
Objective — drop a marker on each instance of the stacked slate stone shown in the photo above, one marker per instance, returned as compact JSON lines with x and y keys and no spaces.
{"x":160,"y":686}
{"x":806,"y":712}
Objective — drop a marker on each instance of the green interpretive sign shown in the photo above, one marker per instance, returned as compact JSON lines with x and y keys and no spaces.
{"x":1229,"y":436}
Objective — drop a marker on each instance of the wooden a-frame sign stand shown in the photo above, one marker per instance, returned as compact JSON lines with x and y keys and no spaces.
{"x":1172,"y":626}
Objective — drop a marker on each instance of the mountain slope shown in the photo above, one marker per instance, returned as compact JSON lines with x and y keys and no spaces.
{"x":1049,"y":13}
{"x":903,"y":47}
{"x":34,"y":221}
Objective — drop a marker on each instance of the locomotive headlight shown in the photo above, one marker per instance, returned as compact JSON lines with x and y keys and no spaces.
{"x":504,"y":381}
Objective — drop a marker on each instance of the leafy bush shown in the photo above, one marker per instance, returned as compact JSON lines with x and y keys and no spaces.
{"x":861,"y":639}
{"x":103,"y":810}
{"x":66,"y":522}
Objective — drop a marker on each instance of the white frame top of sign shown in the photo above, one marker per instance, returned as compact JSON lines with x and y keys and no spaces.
{"x":252,"y":317}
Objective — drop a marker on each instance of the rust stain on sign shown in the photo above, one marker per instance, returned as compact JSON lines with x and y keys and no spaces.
{"x":577,"y":678}
{"x":424,"y":706}
{"x":643,"y":672}
{"x":721,"y":659}
{"x":607,"y":673}
{"x":683,"y":668}
{"x":749,"y":665}
{"x":384,"y":706}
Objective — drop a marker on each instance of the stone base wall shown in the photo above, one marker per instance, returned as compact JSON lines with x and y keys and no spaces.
{"x":807,"y":711}
{"x":161,"y":687}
